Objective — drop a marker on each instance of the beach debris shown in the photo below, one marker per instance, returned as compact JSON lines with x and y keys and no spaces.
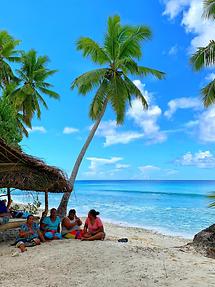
{"x":204,"y":241}
{"x":123,"y":240}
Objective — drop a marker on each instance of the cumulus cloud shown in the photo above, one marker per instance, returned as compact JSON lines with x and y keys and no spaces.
{"x":201,"y":159}
{"x":182,"y":103}
{"x":147,"y":120}
{"x":110,"y":131}
{"x":69,"y":130}
{"x":192,"y":20}
{"x":105,"y":166}
{"x":37,"y":129}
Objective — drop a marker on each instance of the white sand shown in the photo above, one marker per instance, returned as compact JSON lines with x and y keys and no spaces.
{"x":148,"y":259}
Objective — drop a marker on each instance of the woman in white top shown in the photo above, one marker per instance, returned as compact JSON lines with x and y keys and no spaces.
{"x":71,"y":226}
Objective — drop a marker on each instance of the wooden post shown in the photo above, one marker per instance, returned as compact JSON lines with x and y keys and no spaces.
{"x":8,"y":197}
{"x":46,"y":202}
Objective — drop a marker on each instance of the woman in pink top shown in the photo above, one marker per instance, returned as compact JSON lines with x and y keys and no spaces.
{"x":93,"y":228}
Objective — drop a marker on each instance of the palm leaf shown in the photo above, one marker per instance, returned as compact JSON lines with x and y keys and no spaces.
{"x":131,"y":47}
{"x":209,"y":9}
{"x":88,"y":81}
{"x":204,"y":56}
{"x":134,"y":91}
{"x":96,"y":106}
{"x":208,"y":94}
{"x":92,"y":49}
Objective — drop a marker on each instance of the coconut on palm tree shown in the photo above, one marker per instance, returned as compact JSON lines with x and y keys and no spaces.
{"x":118,"y":57}
{"x":205,"y":57}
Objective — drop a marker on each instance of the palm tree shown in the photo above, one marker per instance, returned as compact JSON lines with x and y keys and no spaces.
{"x":32,"y":85}
{"x":119,"y":54}
{"x":8,"y":54}
{"x":205,"y":57}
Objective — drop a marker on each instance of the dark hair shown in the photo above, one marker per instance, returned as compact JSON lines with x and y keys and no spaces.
{"x":93,"y":212}
{"x":30,"y":215}
{"x":53,"y":209}
{"x":72,"y":211}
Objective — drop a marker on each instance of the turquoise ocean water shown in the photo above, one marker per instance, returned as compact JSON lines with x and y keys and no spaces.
{"x":170,"y":207}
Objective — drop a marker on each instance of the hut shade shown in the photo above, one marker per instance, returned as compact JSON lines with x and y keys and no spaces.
{"x":21,"y":171}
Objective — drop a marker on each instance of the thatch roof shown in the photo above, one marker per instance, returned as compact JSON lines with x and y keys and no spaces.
{"x":21,"y":171}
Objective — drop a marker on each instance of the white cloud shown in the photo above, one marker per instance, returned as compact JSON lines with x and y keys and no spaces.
{"x":38,"y":129}
{"x":105,"y":166}
{"x":70,"y":130}
{"x":210,"y":77}
{"x":173,"y":50}
{"x":182,"y":103}
{"x":207,"y":125}
{"x":201,"y":159}
{"x":147,"y":120}
{"x":110,"y":131}
{"x":192,"y":20}
{"x":148,"y":168}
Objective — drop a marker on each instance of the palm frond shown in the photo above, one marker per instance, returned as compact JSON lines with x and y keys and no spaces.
{"x":209,"y":9}
{"x":98,"y":100}
{"x":204,"y":56}
{"x":208,"y":94}
{"x":88,"y":81}
{"x":118,"y":97}
{"x":111,"y":43}
{"x":92,"y":49}
{"x":134,"y":91}
{"x":144,"y":71}
{"x":131,"y":47}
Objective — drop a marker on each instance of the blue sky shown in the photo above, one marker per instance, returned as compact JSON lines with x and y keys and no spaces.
{"x":174,"y":139}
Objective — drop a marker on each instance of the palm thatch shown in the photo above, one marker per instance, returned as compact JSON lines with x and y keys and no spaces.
{"x":21,"y":171}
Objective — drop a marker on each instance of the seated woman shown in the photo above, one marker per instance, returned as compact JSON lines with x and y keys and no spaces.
{"x":51,"y":225}
{"x":4,"y":211}
{"x":29,"y":234}
{"x":71,"y":226}
{"x":93,"y":228}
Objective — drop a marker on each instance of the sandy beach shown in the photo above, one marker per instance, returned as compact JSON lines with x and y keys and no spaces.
{"x":148,"y":259}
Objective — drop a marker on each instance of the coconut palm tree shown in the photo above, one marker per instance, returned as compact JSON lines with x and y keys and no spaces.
{"x":205,"y":57}
{"x":118,"y":57}
{"x":32,"y":85}
{"x":8,"y":54}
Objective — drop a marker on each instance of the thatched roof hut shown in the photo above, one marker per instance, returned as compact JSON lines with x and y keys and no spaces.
{"x":21,"y":171}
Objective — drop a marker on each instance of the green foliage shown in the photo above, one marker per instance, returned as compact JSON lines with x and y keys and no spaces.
{"x":120,"y":51}
{"x":26,"y":86}
{"x":8,"y":54}
{"x":205,"y":57}
{"x":209,"y":9}
{"x":33,"y":208}
{"x":9,"y":130}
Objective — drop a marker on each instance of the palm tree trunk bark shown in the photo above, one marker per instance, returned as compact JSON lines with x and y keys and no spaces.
{"x":62,"y":208}
{"x":46,"y":202}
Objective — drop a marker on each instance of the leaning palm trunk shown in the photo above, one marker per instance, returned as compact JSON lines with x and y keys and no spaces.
{"x":62,"y":208}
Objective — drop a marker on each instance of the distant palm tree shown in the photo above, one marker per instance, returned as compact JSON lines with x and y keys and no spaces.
{"x":8,"y":54}
{"x":119,"y":53}
{"x":205,"y":57}
{"x":32,"y":85}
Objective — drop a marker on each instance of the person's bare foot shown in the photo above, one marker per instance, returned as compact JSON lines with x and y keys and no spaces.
{"x":22,"y":248}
